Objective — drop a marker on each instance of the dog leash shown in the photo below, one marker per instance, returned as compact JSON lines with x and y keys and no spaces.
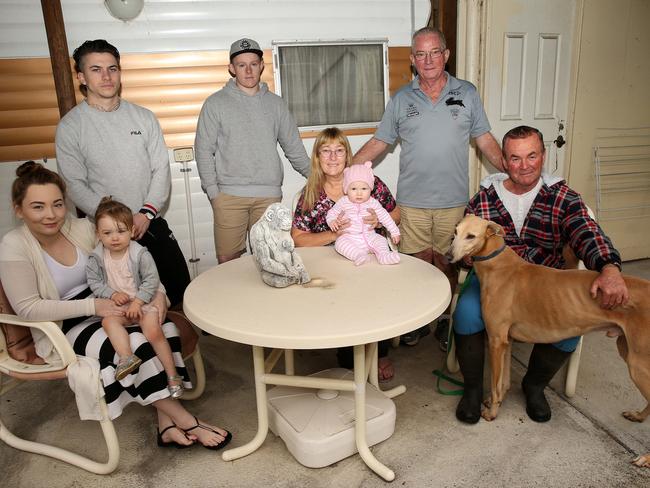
{"x":439,"y":373}
{"x":441,"y":376}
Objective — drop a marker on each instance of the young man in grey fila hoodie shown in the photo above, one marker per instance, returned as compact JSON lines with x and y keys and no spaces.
{"x":236,"y":149}
{"x":108,"y":146}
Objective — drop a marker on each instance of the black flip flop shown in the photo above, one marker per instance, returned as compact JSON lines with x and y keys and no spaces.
{"x":175,"y":444}
{"x":221,"y":445}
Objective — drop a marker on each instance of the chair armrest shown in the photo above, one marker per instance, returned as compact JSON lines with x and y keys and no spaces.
{"x":53,"y":333}
{"x":462,"y":275}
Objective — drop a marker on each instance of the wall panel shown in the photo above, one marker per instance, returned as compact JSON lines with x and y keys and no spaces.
{"x":203,"y":25}
{"x":612,"y":110}
{"x":174,"y":54}
{"x":172,"y":85}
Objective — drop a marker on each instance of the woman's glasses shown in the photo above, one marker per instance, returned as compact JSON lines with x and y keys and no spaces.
{"x":339,"y":152}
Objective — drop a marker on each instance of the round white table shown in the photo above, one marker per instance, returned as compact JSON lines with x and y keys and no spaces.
{"x":360,"y":306}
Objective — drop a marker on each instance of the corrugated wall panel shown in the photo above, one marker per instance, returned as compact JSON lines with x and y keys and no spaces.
{"x":172,"y":85}
{"x":209,"y":24}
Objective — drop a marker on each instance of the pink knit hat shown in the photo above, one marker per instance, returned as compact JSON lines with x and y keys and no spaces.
{"x":358,"y":172}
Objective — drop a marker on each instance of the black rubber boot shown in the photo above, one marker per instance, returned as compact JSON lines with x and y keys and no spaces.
{"x":544,"y":362}
{"x":470,"y":351}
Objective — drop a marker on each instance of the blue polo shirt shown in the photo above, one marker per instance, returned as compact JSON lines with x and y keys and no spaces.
{"x":433,"y":163}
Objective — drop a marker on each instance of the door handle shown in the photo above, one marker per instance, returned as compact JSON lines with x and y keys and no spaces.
{"x":559,"y":142}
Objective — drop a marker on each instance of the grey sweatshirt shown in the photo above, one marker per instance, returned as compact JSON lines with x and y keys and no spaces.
{"x":236,"y":143}
{"x":141,"y":265}
{"x":120,"y":153}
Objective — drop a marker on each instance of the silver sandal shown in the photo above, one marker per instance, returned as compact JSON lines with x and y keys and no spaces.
{"x":176,"y":391}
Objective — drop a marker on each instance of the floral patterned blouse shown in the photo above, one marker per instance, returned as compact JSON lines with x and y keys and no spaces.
{"x":314,"y":220}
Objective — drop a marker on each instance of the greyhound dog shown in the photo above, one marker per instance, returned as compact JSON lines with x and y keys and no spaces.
{"x":511,"y":308}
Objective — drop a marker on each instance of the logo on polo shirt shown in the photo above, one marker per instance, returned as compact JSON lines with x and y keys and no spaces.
{"x":453,"y":101}
{"x":412,"y":110}
{"x":136,"y":133}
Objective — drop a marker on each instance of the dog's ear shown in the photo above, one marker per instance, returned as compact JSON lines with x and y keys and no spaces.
{"x":495,"y":229}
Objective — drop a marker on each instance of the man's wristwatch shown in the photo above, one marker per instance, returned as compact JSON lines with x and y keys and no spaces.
{"x":148,"y":213}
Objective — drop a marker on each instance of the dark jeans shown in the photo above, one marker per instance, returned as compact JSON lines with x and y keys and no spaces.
{"x":345,"y":355}
{"x":169,"y":259}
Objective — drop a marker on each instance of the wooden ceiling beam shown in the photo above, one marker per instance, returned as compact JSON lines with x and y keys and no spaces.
{"x":59,"y":57}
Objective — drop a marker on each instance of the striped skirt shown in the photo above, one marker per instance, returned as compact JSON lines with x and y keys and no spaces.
{"x":150,"y":383}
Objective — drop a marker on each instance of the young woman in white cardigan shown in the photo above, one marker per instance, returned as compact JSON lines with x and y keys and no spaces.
{"x":42,"y":268}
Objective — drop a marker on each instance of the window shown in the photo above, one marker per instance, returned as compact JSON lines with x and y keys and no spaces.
{"x":342,"y":83}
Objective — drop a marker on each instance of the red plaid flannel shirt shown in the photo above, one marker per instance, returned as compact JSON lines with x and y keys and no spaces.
{"x":557,"y":216}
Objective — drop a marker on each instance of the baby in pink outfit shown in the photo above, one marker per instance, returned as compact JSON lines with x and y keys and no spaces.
{"x":360,"y":239}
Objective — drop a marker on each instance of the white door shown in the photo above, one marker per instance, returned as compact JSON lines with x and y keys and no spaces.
{"x":528,"y":67}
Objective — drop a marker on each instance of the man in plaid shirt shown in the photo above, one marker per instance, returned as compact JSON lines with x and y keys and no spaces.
{"x":539,"y":215}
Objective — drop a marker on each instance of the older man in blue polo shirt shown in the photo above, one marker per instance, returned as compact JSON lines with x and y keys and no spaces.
{"x":434,"y":116}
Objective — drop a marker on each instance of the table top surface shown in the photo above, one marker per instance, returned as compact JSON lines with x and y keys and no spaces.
{"x":364,"y":304}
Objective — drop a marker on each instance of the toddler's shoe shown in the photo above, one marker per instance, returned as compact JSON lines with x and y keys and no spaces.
{"x":126,"y":366}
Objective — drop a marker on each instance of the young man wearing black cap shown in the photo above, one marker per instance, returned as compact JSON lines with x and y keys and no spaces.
{"x":236,"y":149}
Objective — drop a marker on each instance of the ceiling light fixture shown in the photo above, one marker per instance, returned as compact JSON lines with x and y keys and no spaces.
{"x":124,"y":9}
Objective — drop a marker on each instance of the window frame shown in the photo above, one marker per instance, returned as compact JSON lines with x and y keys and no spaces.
{"x":277,"y":45}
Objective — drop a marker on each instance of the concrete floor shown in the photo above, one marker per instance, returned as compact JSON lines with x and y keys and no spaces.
{"x":587,"y":443}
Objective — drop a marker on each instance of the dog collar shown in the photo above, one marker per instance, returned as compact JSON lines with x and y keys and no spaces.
{"x":491,"y":255}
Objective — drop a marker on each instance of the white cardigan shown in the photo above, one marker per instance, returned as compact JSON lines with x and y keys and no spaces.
{"x":29,"y":285}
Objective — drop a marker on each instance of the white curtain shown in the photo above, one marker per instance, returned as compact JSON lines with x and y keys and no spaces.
{"x":333,"y":84}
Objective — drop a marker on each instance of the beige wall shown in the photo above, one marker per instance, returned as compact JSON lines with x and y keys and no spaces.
{"x":612,"y":108}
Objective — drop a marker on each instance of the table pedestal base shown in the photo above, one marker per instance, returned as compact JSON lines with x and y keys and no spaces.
{"x":365,"y":369}
{"x":317,"y":426}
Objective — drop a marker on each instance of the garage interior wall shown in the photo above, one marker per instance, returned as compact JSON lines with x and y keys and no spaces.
{"x":612,"y":121}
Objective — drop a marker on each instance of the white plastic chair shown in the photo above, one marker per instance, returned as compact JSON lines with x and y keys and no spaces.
{"x":573,"y":365}
{"x":24,"y":371}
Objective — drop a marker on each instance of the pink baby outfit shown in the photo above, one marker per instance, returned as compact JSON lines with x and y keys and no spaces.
{"x":359,"y":238}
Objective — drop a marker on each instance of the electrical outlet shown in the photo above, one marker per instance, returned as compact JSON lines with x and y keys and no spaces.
{"x":183,"y":154}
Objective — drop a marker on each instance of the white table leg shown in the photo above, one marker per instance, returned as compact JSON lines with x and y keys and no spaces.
{"x":360,"y":379}
{"x":288,"y":362}
{"x":262,"y":413}
{"x":373,"y":377}
{"x":373,"y":374}
{"x":393,"y":392}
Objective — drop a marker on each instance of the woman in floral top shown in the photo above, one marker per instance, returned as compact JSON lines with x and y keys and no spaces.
{"x":330,"y":155}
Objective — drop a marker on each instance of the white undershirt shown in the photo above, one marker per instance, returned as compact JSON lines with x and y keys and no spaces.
{"x":517,"y":206}
{"x":69,"y":280}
